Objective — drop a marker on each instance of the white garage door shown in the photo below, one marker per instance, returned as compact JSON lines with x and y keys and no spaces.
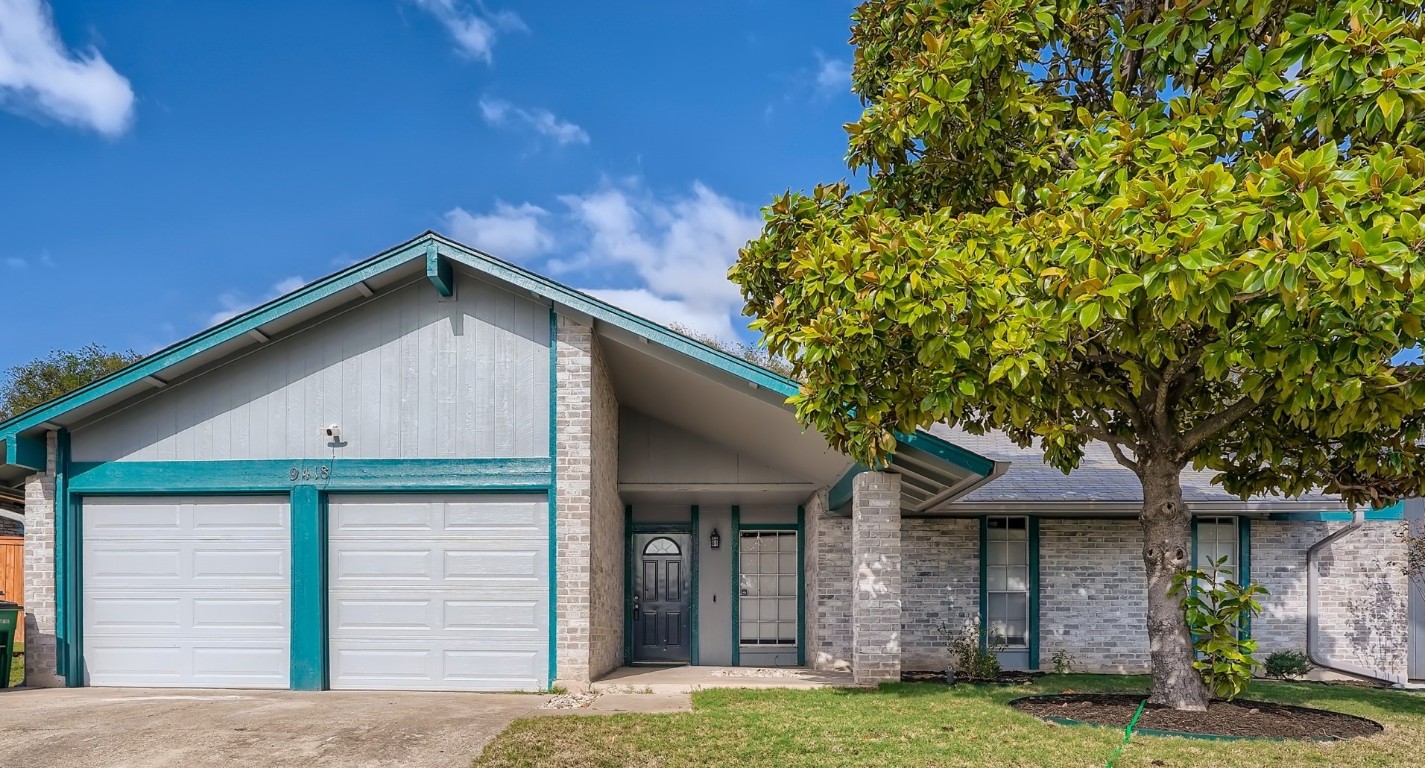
{"x":439,"y":592}
{"x":187,"y":592}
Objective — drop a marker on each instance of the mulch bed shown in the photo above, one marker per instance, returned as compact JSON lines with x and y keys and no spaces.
{"x":1243,"y":719}
{"x":1005,"y":678}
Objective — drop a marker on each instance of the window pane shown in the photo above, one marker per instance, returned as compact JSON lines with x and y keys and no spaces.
{"x":787,"y":563}
{"x":1018,"y":553}
{"x":787,"y":543}
{"x":997,"y":631}
{"x":1018,"y":524}
{"x":1016,"y":606}
{"x":996,"y":607}
{"x":768,"y":563}
{"x":999,"y":552}
{"x":787,"y":632}
{"x":767,"y":586}
{"x":749,"y":610}
{"x":1016,"y":632}
{"x":749,"y":631}
{"x":749,"y":562}
{"x":787,"y":586}
{"x":787,"y":609}
{"x":996,"y":581}
{"x":1018,"y":579}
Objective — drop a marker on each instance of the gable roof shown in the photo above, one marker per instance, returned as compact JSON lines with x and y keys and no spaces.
{"x":22,"y":435}
{"x":1099,"y":483}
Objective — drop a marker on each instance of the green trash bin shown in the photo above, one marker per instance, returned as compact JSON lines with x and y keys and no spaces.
{"x":9,"y":624}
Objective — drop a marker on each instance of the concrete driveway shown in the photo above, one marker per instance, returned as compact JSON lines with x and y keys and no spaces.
{"x":142,"y":728}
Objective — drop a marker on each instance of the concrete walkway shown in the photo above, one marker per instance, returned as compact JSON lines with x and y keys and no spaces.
{"x":686,"y":679}
{"x":144,"y":728}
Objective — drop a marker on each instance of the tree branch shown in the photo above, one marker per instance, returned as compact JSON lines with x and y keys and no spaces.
{"x":1210,"y":426}
{"x":1101,"y":433}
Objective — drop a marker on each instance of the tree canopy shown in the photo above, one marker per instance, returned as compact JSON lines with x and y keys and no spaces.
{"x":1188,"y":229}
{"x":61,"y":372}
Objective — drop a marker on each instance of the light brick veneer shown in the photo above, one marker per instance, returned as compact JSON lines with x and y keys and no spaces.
{"x":41,"y":645}
{"x":606,"y":552}
{"x":1093,"y":594}
{"x":876,"y":577}
{"x":828,"y":586}
{"x":1362,"y":598}
{"x":940,"y":571}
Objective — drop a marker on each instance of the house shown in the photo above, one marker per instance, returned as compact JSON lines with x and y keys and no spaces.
{"x":438,"y":471}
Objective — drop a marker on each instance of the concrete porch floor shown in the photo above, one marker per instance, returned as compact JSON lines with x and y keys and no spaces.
{"x":686,"y":679}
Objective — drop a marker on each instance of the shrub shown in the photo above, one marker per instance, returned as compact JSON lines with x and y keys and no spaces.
{"x":1216,"y":609}
{"x":969,"y":658}
{"x":1285,"y":665}
{"x":1063,"y":661}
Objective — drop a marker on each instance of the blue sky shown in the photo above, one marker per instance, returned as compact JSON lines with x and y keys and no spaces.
{"x":166,"y":164}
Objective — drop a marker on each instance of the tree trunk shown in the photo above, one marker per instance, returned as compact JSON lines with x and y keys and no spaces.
{"x":1167,"y":549}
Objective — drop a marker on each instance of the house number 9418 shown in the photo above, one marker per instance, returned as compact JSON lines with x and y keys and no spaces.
{"x":298,"y":474}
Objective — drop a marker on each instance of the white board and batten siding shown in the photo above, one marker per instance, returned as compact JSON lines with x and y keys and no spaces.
{"x":187,"y":592}
{"x":439,"y":593}
{"x":404,"y":375}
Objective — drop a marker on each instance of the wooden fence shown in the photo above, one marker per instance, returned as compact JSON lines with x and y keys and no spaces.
{"x":12,"y":574}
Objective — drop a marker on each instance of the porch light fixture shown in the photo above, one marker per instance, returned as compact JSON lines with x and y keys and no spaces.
{"x":714,"y":540}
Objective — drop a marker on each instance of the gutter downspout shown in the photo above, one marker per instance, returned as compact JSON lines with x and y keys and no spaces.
{"x":1313,"y":618}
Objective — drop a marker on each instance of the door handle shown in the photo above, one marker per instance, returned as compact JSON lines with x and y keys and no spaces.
{"x":635,"y":607}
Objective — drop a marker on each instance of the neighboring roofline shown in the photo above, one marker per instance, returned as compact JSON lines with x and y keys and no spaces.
{"x":431,"y":248}
{"x":1277,"y":508}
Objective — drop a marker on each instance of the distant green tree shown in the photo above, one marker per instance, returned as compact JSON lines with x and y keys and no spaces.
{"x":751,"y":353}
{"x":61,"y":372}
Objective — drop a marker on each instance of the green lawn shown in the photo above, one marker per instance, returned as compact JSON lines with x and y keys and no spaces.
{"x":931,"y":725}
{"x":17,"y":664}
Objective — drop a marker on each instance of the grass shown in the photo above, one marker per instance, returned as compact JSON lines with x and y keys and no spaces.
{"x":17,"y":665}
{"x":931,"y":725}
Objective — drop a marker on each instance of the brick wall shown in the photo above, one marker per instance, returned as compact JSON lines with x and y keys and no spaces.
{"x":1362,"y":600}
{"x":876,"y":575}
{"x":828,"y":575}
{"x":1092,"y":594}
{"x":41,"y":654}
{"x":573,"y":498}
{"x":940,"y":567}
{"x":606,"y":552}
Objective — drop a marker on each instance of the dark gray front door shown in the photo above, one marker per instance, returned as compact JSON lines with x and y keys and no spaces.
{"x":661,"y":599}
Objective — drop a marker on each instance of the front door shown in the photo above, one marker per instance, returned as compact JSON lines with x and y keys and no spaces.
{"x":661,"y":600}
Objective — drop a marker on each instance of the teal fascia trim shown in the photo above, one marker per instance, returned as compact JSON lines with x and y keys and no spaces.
{"x":1392,"y":513}
{"x":736,"y":585}
{"x":984,"y":582}
{"x":68,"y":570}
{"x":694,"y":652}
{"x":949,"y":452}
{"x":309,"y":589}
{"x":439,"y":272}
{"x":338,"y":475}
{"x":801,"y":587}
{"x":553,"y":479}
{"x":841,"y":492}
{"x":1033,"y":593}
{"x":25,"y":452}
{"x":628,"y":584}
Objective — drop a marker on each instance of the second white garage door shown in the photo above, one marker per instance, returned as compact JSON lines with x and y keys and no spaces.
{"x":439,"y":592}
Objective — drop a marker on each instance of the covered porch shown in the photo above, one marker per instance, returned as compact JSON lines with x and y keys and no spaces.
{"x":687,"y":679}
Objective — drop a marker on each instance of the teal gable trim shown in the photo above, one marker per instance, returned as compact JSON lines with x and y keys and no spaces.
{"x":694,"y":652}
{"x":26,"y":452}
{"x":840,"y":494}
{"x":309,"y":589}
{"x":1392,"y":513}
{"x":949,"y":452}
{"x":736,"y":594}
{"x":439,"y":272}
{"x":339,"y":475}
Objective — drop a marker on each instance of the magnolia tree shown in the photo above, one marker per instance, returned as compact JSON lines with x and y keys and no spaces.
{"x":1189,"y":230}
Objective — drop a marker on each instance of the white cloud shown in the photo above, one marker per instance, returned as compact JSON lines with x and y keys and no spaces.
{"x":543,"y":122}
{"x":833,"y":76}
{"x":15,"y":262}
{"x":474,"y":29}
{"x":40,"y":77}
{"x":513,"y":232}
{"x":662,"y":257}
{"x":235,"y":303}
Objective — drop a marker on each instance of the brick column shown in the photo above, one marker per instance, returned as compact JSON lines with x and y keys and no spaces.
{"x":41,"y":646}
{"x":573,"y":422}
{"x":876,"y":578}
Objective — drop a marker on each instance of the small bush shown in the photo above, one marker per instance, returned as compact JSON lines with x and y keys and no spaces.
{"x":1063,"y":661}
{"x":969,"y":658}
{"x":1285,"y":665}
{"x":1216,"y":608}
